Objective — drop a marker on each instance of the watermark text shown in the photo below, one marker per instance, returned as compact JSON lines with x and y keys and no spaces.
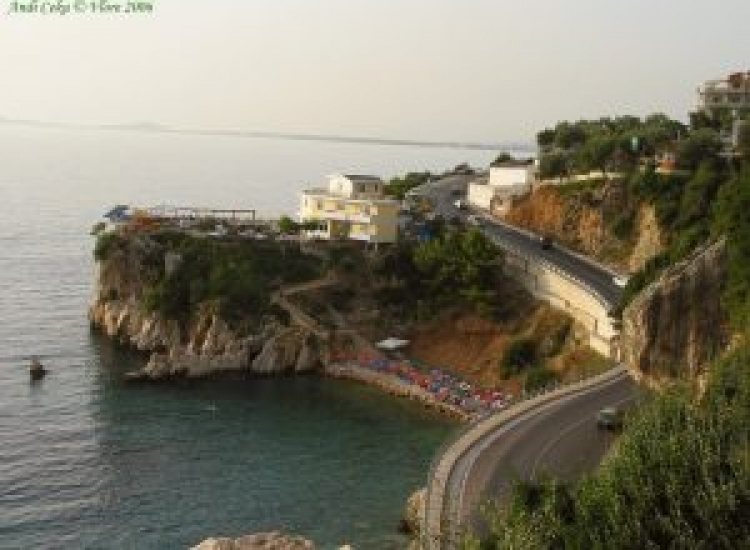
{"x":81,"y":7}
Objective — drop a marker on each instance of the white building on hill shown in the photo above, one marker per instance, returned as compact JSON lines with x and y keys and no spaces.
{"x":506,"y":182}
{"x":351,"y":207}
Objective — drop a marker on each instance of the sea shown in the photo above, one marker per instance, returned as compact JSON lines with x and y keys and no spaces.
{"x":88,"y":461}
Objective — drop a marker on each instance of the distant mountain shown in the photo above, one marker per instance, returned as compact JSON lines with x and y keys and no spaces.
{"x":136,"y":127}
{"x":24,"y":122}
{"x":152,"y":127}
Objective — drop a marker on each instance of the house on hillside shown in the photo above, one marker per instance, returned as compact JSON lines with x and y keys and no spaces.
{"x":351,"y":207}
{"x":506,"y":183}
{"x":727,"y":94}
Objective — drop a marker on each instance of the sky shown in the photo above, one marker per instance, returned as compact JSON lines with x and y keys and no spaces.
{"x":472,"y":70}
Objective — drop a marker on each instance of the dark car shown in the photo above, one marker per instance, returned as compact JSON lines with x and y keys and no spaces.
{"x":546,"y":241}
{"x":609,"y":418}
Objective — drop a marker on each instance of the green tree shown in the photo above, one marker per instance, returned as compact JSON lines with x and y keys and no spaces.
{"x":459,"y":263}
{"x":698,"y":196}
{"x":569,"y":135}
{"x":743,"y":139}
{"x":502,"y":158}
{"x":732,"y":218}
{"x":553,"y":165}
{"x":700,"y":145}
{"x":597,"y":152}
{"x":399,"y":186}
{"x":521,"y":354}
{"x":546,"y":138}
{"x":288,"y":226}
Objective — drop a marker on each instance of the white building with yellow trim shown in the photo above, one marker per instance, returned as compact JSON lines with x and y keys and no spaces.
{"x":351,"y":207}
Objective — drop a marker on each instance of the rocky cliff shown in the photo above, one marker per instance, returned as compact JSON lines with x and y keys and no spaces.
{"x":676,"y":325}
{"x":202,"y":345}
{"x":649,"y":239}
{"x":587,"y":220}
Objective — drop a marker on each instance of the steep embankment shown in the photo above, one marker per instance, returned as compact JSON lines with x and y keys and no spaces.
{"x":677,"y":325}
{"x":201,"y":336}
{"x":597,"y":219}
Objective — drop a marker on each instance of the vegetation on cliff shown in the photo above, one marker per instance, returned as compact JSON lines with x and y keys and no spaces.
{"x":701,"y":196}
{"x":236,"y":276}
{"x":680,"y":478}
{"x":398,"y":187}
{"x":457,"y":268}
{"x":713,"y":201}
{"x":604,"y":144}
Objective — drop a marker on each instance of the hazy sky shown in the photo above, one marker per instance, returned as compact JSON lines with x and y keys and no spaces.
{"x":484,"y":70}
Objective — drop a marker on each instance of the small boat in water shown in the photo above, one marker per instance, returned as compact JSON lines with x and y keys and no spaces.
{"x":37,"y":370}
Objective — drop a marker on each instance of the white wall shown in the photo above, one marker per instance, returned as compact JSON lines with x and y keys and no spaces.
{"x":503,"y":176}
{"x":480,"y":195}
{"x":563,"y":293}
{"x":340,"y":185}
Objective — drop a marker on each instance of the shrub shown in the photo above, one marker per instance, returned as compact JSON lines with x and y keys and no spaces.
{"x":540,"y":377}
{"x":238,"y":277}
{"x":106,"y":243}
{"x":520,"y":355}
{"x":680,"y":479}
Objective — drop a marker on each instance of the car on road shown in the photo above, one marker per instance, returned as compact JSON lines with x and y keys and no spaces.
{"x":473,"y":219}
{"x":460,"y":204}
{"x":546,"y":241}
{"x":609,"y":418}
{"x":620,"y":280}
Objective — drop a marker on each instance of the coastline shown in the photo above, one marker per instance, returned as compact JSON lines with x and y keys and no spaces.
{"x":392,"y":385}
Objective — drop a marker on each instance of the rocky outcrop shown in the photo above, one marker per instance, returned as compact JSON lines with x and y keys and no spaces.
{"x":414,"y":512}
{"x":260,"y":541}
{"x":204,"y":345}
{"x":676,"y":325}
{"x":650,"y":241}
{"x":291,"y":349}
{"x":576,"y":220}
{"x":585,"y":220}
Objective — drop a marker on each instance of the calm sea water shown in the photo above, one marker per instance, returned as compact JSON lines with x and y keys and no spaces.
{"x":87,"y":461}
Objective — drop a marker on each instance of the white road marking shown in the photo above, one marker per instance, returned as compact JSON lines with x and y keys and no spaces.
{"x":562,"y":434}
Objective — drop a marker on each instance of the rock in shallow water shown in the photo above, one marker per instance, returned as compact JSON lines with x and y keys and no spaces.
{"x":259,"y":541}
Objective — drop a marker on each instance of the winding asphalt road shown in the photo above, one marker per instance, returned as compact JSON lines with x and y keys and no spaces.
{"x":558,"y":438}
{"x":443,"y":194}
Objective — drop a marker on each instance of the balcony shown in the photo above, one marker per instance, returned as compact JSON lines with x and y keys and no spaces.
{"x":341,"y":216}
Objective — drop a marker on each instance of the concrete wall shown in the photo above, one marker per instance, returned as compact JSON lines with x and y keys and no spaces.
{"x":341,"y":185}
{"x":480,"y":195}
{"x":503,"y":176}
{"x":547,"y":284}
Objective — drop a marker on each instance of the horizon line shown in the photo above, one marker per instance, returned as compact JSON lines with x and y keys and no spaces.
{"x":156,"y":128}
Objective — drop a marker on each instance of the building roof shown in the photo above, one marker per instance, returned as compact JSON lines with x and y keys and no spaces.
{"x":326,"y":194}
{"x":514,"y":164}
{"x":121,"y":212}
{"x":363,"y":178}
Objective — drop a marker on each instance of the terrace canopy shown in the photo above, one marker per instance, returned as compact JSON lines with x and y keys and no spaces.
{"x":392,"y":344}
